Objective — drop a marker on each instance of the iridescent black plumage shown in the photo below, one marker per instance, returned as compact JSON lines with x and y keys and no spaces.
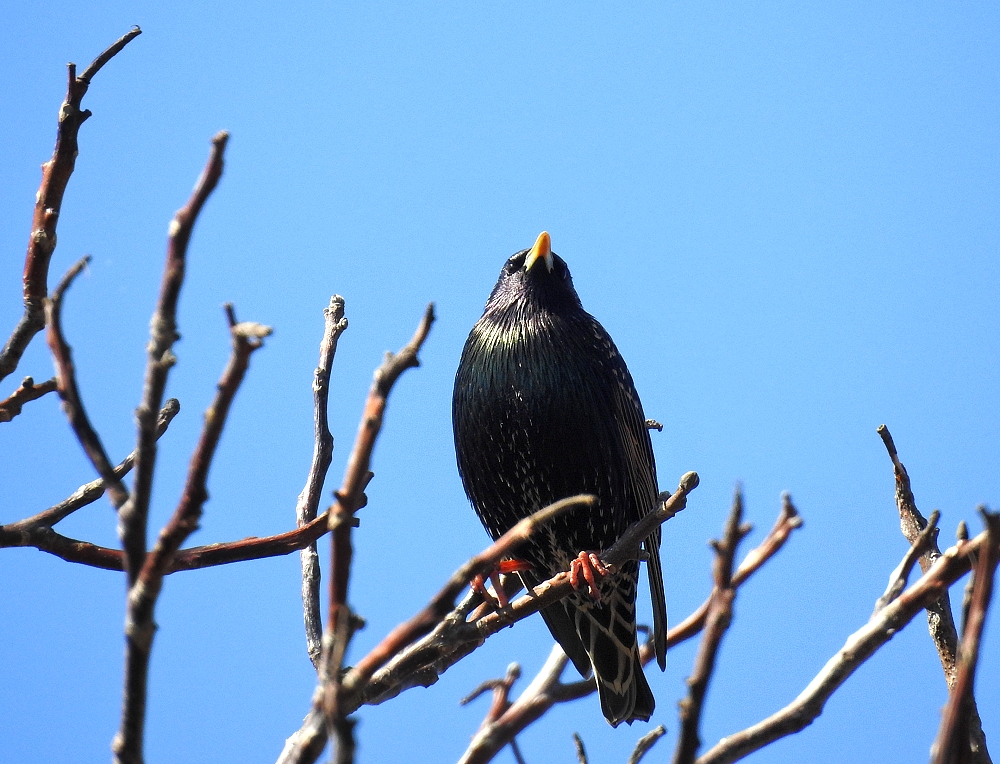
{"x":544,"y":408}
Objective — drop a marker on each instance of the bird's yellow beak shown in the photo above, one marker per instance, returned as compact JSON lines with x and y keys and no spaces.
{"x":541,"y":251}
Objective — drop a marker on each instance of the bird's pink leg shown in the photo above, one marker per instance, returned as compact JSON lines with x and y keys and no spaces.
{"x":478,"y":584}
{"x":588,"y":566}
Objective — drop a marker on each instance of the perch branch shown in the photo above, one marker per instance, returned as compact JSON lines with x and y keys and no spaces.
{"x":142,"y":596}
{"x":48,"y":202}
{"x":551,"y":691}
{"x":398,"y":667}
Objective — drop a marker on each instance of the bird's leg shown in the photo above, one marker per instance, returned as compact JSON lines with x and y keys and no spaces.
{"x":513,"y":566}
{"x":478,"y":584}
{"x":588,"y":566}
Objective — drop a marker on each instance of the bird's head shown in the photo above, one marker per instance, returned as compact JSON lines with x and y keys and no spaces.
{"x":533,"y":279}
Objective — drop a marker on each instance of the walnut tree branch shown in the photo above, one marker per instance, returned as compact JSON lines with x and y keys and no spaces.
{"x":717,"y":620}
{"x":36,"y":531}
{"x":69,"y":392}
{"x":401,"y":663}
{"x":305,"y":509}
{"x":132,"y":518}
{"x":858,"y":648}
{"x":546,"y":690}
{"x":349,"y":498}
{"x":953,"y":744}
{"x":11,"y":406}
{"x":142,"y":595}
{"x":48,"y":203}
{"x":940,"y":619}
{"x":421,"y":663}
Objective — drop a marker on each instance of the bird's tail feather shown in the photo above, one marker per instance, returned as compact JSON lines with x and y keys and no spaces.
{"x":600,"y":637}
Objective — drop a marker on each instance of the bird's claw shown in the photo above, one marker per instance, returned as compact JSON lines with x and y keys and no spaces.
{"x":588,"y":566}
{"x":478,"y":583}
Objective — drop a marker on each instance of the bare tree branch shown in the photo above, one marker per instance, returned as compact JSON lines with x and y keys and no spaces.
{"x":36,"y":531}
{"x":717,"y":620}
{"x":132,"y":518}
{"x":939,"y":616}
{"x":940,"y":620}
{"x":139,"y":625}
{"x":860,"y":646}
{"x":305,"y":510}
{"x":953,"y":743}
{"x":355,"y":687}
{"x":788,"y":520}
{"x":11,"y":406}
{"x":424,"y":661}
{"x":48,"y":203}
{"x":69,"y":392}
{"x":444,"y":601}
{"x":901,"y":575}
{"x":495,"y":733}
{"x":645,"y":743}
{"x":341,"y":622}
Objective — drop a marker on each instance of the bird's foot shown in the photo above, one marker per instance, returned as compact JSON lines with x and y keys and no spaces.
{"x":478,"y":584}
{"x":586,"y":569}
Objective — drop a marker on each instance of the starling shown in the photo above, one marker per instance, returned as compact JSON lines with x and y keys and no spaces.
{"x":544,"y":408}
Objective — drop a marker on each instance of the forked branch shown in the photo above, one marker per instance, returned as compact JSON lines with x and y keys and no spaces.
{"x":48,"y":203}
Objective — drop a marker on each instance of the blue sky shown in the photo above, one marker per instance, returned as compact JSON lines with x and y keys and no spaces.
{"x":785,"y":214}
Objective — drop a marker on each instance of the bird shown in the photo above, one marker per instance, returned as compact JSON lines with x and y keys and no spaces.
{"x":543,"y":408}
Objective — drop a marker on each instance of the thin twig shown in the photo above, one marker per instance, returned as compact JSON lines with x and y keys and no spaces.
{"x":581,"y":752}
{"x":11,"y":406}
{"x":139,"y":625}
{"x":720,"y":614}
{"x":82,"y":496}
{"x":132,"y":519}
{"x":858,"y":648}
{"x":48,"y":203}
{"x":39,"y":535}
{"x":500,"y":688}
{"x":901,"y":575}
{"x":530,"y":706}
{"x":953,"y":744}
{"x":69,"y":392}
{"x":645,"y":743}
{"x":305,"y":509}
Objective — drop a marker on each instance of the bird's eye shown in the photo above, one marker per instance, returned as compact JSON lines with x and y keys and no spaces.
{"x":516,"y":262}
